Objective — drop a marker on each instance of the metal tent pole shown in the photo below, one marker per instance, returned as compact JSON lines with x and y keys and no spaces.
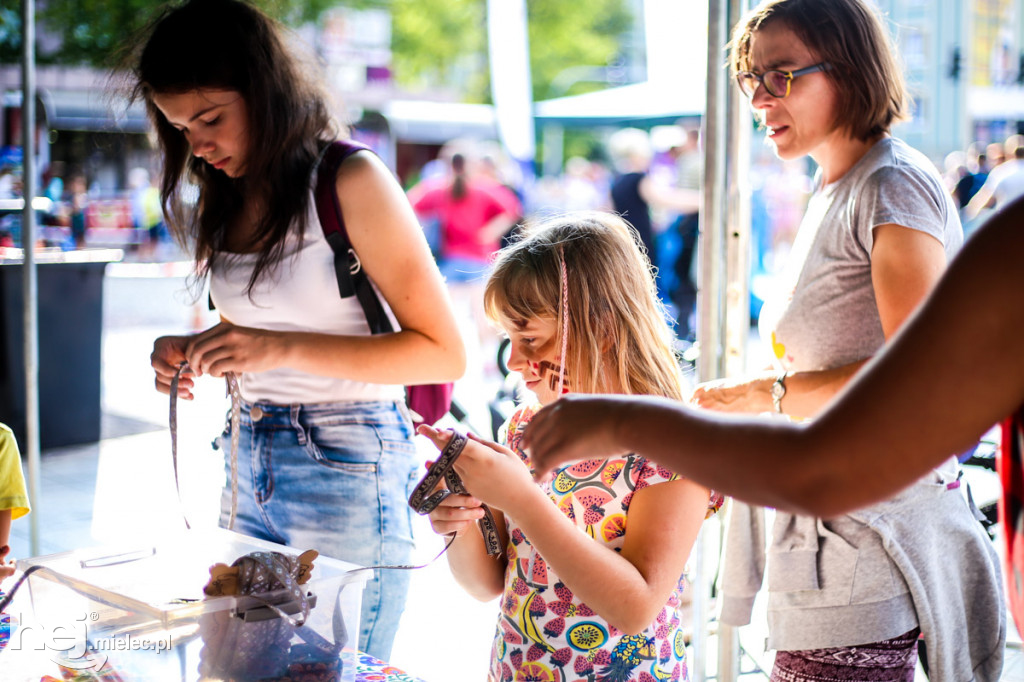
{"x":708,"y":301}
{"x":723,"y":302}
{"x":28,"y":237}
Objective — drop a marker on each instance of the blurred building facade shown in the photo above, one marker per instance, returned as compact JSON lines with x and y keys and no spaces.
{"x":964,"y":61}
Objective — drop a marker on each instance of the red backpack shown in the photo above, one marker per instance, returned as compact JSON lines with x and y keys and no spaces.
{"x":428,"y":402}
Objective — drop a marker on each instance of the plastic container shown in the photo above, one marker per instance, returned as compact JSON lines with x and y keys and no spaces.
{"x":143,"y":608}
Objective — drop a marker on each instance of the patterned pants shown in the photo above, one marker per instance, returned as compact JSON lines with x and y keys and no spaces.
{"x":890,"y":661}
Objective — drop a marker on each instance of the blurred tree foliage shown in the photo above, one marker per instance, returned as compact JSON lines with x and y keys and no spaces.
{"x":445,"y":41}
{"x":94,"y":31}
{"x":572,"y":33}
{"x":434,"y":42}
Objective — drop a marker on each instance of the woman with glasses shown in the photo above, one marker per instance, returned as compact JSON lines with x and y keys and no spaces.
{"x":850,"y":596}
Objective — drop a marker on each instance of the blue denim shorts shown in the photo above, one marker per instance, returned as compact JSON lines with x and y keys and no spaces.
{"x":335,"y":478}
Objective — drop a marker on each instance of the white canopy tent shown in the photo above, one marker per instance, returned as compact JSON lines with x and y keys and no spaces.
{"x":638,"y":104}
{"x":646,"y":103}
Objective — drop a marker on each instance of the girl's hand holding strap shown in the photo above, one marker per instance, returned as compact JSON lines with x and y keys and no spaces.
{"x":168,"y":353}
{"x":428,"y":493}
{"x":482,"y":576}
{"x":226,"y":347}
{"x":499,"y":477}
{"x":456,"y":514}
{"x":627,"y":588}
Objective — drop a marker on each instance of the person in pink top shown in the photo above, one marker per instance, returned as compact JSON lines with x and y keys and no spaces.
{"x":473,"y":213}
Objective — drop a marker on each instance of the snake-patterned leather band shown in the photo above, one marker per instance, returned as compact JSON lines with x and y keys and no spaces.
{"x":425,"y":500}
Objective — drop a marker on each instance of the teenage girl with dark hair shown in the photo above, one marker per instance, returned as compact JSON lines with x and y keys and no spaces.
{"x":326,"y":458}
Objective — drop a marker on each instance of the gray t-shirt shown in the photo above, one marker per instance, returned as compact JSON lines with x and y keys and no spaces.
{"x":824,"y":315}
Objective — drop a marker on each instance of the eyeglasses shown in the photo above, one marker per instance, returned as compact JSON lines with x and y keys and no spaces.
{"x":777,"y":83}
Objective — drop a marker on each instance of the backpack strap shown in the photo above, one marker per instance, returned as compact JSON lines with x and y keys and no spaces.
{"x":352,"y":280}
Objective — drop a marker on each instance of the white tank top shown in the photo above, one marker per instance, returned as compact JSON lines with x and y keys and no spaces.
{"x":300,"y":295}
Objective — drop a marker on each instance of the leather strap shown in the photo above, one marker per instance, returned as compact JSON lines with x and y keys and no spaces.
{"x":236,"y":408}
{"x":424,"y":499}
{"x":233,"y":392}
{"x":352,"y":280}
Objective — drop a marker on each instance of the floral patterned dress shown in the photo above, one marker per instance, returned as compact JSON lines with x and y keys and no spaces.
{"x":544,"y":632}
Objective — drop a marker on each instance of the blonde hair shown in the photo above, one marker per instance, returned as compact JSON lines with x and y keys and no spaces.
{"x":613,"y":308}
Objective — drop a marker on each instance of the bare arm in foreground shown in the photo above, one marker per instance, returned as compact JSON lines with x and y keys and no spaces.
{"x":955,"y":369}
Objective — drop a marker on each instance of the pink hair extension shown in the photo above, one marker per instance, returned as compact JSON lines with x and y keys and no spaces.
{"x":564,"y":321}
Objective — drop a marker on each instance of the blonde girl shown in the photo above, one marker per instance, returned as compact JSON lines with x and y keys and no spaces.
{"x":591,"y":572}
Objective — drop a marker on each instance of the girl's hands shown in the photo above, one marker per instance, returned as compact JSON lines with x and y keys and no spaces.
{"x":456,"y":513}
{"x":230,"y":348}
{"x":493,"y":474}
{"x":222,"y":348}
{"x":168,"y":353}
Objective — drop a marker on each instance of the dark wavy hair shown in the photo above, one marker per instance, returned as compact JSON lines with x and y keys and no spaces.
{"x":230,"y":45}
{"x":849,"y":35}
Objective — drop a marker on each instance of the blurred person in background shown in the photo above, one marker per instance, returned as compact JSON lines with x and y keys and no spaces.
{"x":147,"y":214}
{"x":778,"y":201}
{"x":495,"y":166}
{"x":6,"y":182}
{"x":635,"y":192}
{"x":1004,"y":184}
{"x":977,"y":165}
{"x":631,"y":189}
{"x":580,"y":191}
{"x":996,"y":153}
{"x":954,"y":167}
{"x":53,"y":181}
{"x":79,"y":200}
{"x":689,"y":167}
{"x":473,"y":214}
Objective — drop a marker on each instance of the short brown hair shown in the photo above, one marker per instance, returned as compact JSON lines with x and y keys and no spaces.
{"x":849,"y":35}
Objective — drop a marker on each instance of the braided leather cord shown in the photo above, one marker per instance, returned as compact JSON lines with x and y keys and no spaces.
{"x":424,"y":500}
